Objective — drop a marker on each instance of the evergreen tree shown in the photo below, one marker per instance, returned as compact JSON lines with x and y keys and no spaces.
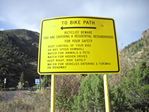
{"x":132,"y":94}
{"x":91,"y":95}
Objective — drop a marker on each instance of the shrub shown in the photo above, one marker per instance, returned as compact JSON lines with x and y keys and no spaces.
{"x":132,"y":93}
{"x":91,"y":95}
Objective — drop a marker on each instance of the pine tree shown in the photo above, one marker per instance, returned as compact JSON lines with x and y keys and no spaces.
{"x":91,"y":95}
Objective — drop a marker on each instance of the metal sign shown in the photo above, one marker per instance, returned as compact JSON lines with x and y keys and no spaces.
{"x":37,"y":81}
{"x":78,"y":45}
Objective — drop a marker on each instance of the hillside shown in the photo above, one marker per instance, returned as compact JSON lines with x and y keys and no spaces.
{"x":135,"y":53}
{"x":130,"y":88}
{"x":18,"y":55}
{"x":131,"y":56}
{"x":138,"y":50}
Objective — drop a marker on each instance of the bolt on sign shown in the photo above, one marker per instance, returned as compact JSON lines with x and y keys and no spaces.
{"x":78,"y":45}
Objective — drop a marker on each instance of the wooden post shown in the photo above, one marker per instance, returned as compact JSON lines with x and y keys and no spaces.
{"x":106,"y":93}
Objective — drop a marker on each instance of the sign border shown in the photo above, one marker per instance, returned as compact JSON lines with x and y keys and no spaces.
{"x":68,"y":17}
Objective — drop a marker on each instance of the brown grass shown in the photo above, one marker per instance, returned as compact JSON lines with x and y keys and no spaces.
{"x":24,"y":101}
{"x":33,"y":101}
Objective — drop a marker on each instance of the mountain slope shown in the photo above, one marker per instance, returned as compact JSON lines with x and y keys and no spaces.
{"x":137,"y":51}
{"x":133,"y":55}
{"x":18,"y":55}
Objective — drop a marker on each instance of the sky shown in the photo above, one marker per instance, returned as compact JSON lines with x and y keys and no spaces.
{"x":131,"y":16}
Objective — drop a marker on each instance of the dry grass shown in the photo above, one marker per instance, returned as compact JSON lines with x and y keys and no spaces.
{"x":31,"y":101}
{"x":26,"y":102}
{"x":71,"y":82}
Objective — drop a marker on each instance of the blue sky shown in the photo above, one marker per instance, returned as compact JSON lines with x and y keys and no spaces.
{"x":131,"y":16}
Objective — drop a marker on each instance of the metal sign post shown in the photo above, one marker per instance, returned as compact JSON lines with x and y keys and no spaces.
{"x":52,"y":93}
{"x":106,"y":93}
{"x":40,"y":82}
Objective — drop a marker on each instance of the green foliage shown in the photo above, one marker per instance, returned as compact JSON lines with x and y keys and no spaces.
{"x":18,"y":53}
{"x":45,"y":81}
{"x":64,"y":99}
{"x":132,"y":94}
{"x":67,"y":88}
{"x":91,"y":95}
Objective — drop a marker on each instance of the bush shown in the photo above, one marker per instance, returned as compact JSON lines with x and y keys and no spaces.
{"x":132,"y":93}
{"x":67,"y":88}
{"x":91,"y":95}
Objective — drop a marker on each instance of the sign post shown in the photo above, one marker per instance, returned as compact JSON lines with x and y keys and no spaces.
{"x":78,"y":45}
{"x":5,"y":80}
{"x":106,"y":93}
{"x":53,"y":93}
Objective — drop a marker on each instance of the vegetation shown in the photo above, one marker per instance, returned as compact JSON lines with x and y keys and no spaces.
{"x":18,"y":53}
{"x":67,"y":88}
{"x":91,"y":96}
{"x":132,"y":93}
{"x":25,"y":102}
